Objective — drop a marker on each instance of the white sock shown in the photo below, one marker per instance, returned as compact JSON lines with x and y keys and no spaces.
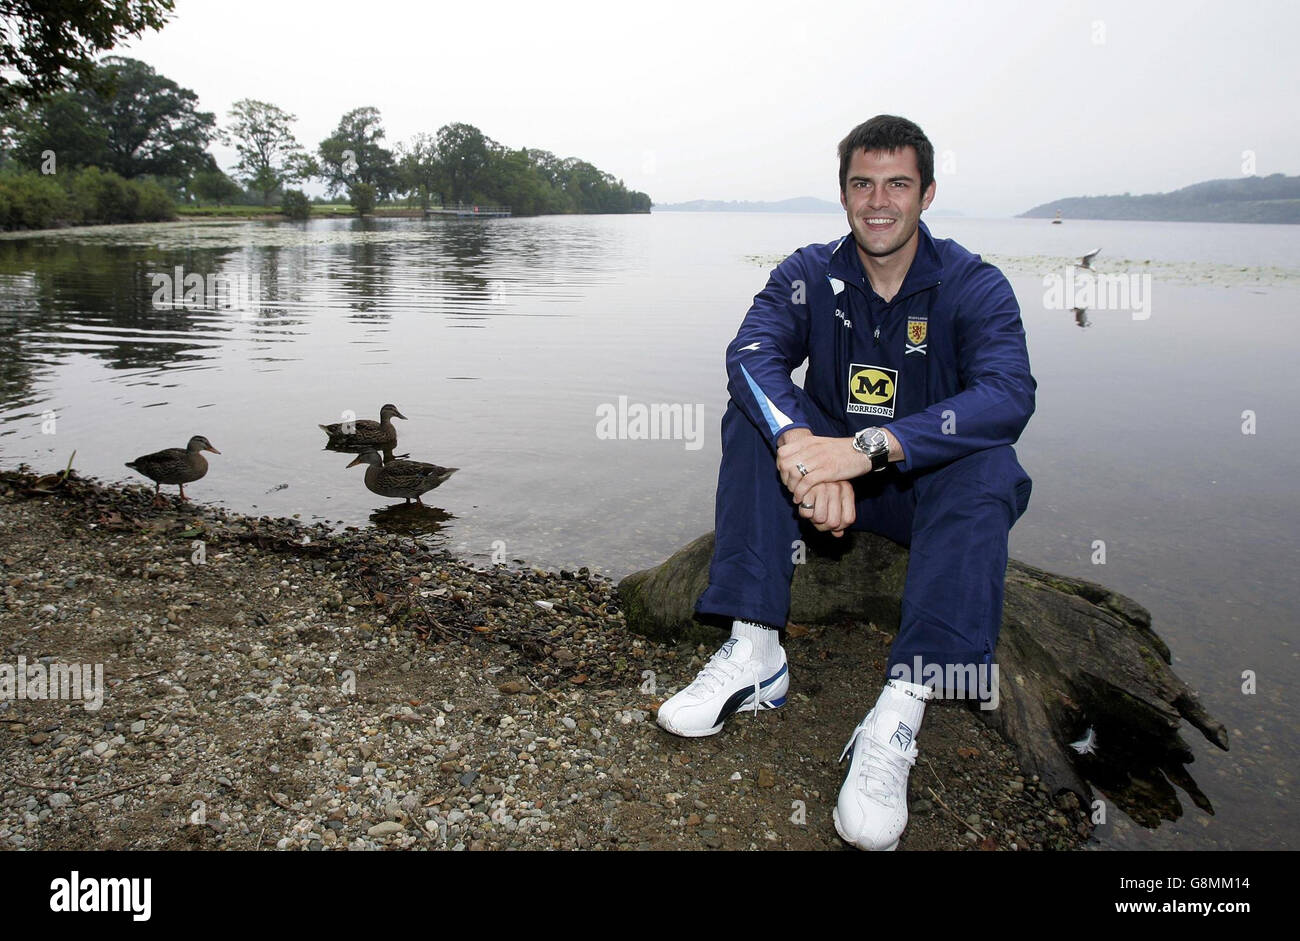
{"x":766,"y":641}
{"x":906,"y":699}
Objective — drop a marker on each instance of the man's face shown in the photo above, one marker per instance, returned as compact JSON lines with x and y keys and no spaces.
{"x":883,"y":199}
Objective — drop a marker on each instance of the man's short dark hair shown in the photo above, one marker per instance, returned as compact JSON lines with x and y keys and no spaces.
{"x":888,"y":132}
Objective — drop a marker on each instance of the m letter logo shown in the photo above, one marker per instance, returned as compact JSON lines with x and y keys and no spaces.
{"x":872,"y":390}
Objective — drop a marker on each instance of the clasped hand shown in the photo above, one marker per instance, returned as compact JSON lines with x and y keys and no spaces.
{"x":831,"y":464}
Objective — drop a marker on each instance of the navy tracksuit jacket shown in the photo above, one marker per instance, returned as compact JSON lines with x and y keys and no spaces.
{"x":944,"y":366}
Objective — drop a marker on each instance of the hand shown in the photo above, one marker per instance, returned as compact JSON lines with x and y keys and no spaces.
{"x":826,"y":459}
{"x":834,"y":507}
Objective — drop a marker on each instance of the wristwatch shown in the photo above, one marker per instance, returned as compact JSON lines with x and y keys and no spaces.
{"x":873,"y":443}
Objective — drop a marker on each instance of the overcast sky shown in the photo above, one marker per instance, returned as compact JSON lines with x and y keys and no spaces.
{"x":1027,"y":101}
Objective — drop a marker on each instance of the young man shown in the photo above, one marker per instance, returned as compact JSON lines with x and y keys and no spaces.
{"x":918,"y":383}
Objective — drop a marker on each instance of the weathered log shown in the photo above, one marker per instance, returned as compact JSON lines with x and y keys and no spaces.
{"x":1072,"y":655}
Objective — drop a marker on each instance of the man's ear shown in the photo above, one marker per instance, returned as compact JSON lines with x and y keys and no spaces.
{"x":929,"y":195}
{"x":844,"y":203}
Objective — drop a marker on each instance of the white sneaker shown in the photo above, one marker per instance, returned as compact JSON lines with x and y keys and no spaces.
{"x":732,"y":681}
{"x":872,"y":809}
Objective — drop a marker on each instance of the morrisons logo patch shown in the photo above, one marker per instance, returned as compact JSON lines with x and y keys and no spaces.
{"x":872,"y":390}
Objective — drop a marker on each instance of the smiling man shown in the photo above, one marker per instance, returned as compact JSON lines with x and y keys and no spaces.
{"x":918,"y":384}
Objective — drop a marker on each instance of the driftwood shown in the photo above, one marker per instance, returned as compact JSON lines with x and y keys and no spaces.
{"x":1072,"y":655}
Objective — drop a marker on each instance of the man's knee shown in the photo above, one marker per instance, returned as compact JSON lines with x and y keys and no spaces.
{"x":991,"y":474}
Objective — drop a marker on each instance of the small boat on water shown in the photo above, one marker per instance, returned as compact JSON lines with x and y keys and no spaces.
{"x":1057,"y":220}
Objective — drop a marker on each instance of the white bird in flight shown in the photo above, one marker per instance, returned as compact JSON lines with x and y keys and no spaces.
{"x":1086,"y":260}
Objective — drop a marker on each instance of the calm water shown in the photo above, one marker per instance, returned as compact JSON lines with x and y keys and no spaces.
{"x":502,"y":341}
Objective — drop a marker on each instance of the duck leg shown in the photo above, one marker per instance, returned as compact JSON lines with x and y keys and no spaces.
{"x":158,"y":498}
{"x":183,"y":497}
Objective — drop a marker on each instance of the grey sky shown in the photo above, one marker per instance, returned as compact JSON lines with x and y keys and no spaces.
{"x":1029,"y":101}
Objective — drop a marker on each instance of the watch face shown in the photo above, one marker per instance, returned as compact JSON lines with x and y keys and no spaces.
{"x":870,"y":439}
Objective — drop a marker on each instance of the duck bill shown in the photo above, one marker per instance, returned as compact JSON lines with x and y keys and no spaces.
{"x":400,"y":415}
{"x":355,"y":461}
{"x":213,"y":450}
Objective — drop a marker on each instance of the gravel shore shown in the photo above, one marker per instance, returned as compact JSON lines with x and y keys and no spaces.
{"x":270,"y":685}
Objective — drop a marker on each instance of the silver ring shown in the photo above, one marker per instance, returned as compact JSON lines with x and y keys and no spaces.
{"x":808,"y":506}
{"x":801,"y":468}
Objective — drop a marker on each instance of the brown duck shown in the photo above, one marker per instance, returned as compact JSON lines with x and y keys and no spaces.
{"x":175,"y":465}
{"x":365,"y":433}
{"x":400,"y":478}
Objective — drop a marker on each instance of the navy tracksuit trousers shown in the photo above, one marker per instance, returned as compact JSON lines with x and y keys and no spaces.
{"x":954,"y":518}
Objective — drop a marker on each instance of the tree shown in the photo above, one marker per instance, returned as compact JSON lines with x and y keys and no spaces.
{"x":213,"y":186}
{"x":463,"y":154}
{"x":353,"y":154}
{"x":124,"y":117}
{"x":362,"y":198}
{"x":419,"y":171}
{"x":295,"y":204}
{"x":269,"y":155}
{"x":50,"y":45}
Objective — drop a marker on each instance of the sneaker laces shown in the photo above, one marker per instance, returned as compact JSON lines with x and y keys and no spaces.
{"x":884,"y":770}
{"x":717,"y":672}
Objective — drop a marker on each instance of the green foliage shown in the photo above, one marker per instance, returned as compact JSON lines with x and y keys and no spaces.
{"x":213,"y":186}
{"x":362,"y":198}
{"x":31,"y":200}
{"x":269,"y":155}
{"x":295,"y":204}
{"x":50,"y":46}
{"x":353,"y":154}
{"x":461,"y":165}
{"x":101,"y":196}
{"x":124,"y":117}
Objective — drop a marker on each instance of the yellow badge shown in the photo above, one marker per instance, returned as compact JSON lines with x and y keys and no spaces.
{"x":872,"y":390}
{"x":916,"y":328}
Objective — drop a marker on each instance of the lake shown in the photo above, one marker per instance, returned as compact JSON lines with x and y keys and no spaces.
{"x":514,"y":345}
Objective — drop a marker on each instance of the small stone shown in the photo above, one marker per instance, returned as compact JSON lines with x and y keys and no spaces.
{"x":766,"y":778}
{"x":387,"y":828}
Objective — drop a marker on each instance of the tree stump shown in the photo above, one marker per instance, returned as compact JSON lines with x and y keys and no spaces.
{"x":1072,"y":656}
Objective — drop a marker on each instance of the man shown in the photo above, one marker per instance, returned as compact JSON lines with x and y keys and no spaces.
{"x":918,"y":383}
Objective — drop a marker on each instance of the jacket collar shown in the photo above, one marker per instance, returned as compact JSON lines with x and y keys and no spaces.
{"x":926,"y":270}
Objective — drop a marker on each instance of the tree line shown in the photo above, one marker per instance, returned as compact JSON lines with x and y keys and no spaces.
{"x":121,"y":141}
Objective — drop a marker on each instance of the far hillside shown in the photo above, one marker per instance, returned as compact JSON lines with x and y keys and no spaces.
{"x":1274,"y":198}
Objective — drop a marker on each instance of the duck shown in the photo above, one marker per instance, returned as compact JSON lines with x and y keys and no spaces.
{"x":175,"y":465}
{"x":399,"y":478}
{"x":365,"y":433}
